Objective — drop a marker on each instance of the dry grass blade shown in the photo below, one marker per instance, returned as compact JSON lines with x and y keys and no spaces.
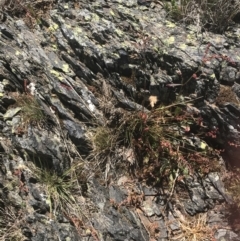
{"x":195,"y":228}
{"x":216,"y":15}
{"x":10,"y":221}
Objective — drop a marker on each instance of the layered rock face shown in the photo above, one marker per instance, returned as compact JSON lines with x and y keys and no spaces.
{"x":79,"y":72}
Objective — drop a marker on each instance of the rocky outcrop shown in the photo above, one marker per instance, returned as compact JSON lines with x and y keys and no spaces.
{"x":84,"y":66}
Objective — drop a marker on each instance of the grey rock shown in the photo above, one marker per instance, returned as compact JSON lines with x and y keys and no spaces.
{"x":67,"y":57}
{"x":11,"y":113}
{"x":228,"y":75}
{"x":219,"y":186}
{"x":224,"y":235}
{"x":43,"y":150}
{"x":150,"y":208}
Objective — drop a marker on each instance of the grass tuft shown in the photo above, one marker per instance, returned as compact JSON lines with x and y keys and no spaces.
{"x":102,"y":139}
{"x":31,"y":111}
{"x":59,"y":188}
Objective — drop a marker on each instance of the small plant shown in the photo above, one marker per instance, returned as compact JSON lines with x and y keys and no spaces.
{"x":207,"y":57}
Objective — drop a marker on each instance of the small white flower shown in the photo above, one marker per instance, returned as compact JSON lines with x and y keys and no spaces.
{"x":91,"y":106}
{"x":31,"y":88}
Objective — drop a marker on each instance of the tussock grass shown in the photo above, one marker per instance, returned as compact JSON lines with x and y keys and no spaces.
{"x":60,"y":188}
{"x":159,"y":143}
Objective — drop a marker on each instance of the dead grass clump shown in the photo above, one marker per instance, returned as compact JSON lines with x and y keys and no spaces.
{"x":216,"y":15}
{"x":10,"y":224}
{"x":104,"y":141}
{"x":195,"y":228}
{"x":226,"y":95}
{"x":31,"y":11}
{"x":232,"y":184}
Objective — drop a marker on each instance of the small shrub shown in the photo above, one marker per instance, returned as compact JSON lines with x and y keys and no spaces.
{"x":160,"y":141}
